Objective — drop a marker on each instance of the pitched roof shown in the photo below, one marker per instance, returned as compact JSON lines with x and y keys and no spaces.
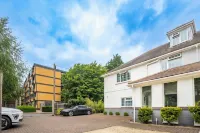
{"x":171,"y":72}
{"x":158,"y":51}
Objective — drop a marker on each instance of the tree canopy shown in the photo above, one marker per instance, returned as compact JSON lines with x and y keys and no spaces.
{"x":83,"y":81}
{"x":11,"y":63}
{"x":114,"y":62}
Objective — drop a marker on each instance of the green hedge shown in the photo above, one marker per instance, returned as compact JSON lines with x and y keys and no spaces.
{"x":170,"y":114}
{"x":126,"y":114}
{"x":117,"y":113}
{"x":195,"y":111}
{"x":27,"y":108}
{"x":47,"y":109}
{"x":144,"y":114}
{"x":110,"y":113}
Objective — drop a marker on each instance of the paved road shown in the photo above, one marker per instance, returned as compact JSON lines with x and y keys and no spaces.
{"x":45,"y":123}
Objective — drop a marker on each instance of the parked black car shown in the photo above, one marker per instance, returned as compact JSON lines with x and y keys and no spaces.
{"x":77,"y":110}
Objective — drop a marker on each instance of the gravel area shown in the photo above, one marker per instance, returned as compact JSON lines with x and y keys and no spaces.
{"x":120,"y":129}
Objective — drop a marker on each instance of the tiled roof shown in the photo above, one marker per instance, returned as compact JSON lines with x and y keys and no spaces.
{"x":161,"y":50}
{"x":171,"y":72}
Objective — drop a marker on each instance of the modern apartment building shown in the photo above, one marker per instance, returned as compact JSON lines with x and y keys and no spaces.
{"x":39,"y":86}
{"x":168,"y":75}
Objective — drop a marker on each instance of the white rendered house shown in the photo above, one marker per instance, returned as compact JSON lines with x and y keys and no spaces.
{"x":168,"y":75}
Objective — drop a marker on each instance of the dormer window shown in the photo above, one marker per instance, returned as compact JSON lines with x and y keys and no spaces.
{"x":181,"y":34}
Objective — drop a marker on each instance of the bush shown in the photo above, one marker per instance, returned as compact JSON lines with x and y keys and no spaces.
{"x":110,"y":113}
{"x":74,"y":102}
{"x":93,"y":111}
{"x":105,"y":113}
{"x":117,"y":113}
{"x":144,"y":114}
{"x":98,"y":106}
{"x":195,"y":111}
{"x":126,"y":114}
{"x":47,"y":109}
{"x":58,"y":111}
{"x":25,"y":108}
{"x":170,"y":114}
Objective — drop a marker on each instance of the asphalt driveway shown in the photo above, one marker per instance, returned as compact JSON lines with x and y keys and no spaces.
{"x":97,"y":123}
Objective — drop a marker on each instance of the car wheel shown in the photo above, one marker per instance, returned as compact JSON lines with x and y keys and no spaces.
{"x":5,"y":123}
{"x":88,"y":112}
{"x":71,"y":113}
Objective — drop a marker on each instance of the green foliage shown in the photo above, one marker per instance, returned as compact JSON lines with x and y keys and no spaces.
{"x":144,"y":114}
{"x":105,"y":113}
{"x":83,"y":81}
{"x":114,"y":62}
{"x":58,"y":111}
{"x":126,"y":114}
{"x":11,"y":63}
{"x":170,"y":114}
{"x":93,"y":111}
{"x":27,"y":108}
{"x":110,"y":113}
{"x":47,"y":109}
{"x":97,"y":106}
{"x":195,"y":111}
{"x":117,"y":113}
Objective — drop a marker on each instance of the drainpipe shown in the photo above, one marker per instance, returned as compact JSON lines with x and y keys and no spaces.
{"x":134,"y":108}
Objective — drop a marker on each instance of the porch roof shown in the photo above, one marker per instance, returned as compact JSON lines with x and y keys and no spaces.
{"x":170,"y":72}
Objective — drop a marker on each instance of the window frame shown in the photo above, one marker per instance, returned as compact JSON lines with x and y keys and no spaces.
{"x":125,"y":100}
{"x":124,"y":76}
{"x":171,"y":94}
{"x":150,"y":88}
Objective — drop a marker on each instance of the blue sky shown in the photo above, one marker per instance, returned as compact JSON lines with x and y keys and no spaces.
{"x":68,"y":32}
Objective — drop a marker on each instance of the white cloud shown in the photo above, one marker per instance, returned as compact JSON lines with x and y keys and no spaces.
{"x":98,"y":30}
{"x":157,"y":5}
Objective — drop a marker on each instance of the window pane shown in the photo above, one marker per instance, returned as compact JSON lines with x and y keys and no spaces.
{"x":170,"y":92}
{"x":118,"y":77}
{"x":122,"y":102}
{"x":129,"y":76}
{"x":146,"y":96}
{"x":197,"y":89}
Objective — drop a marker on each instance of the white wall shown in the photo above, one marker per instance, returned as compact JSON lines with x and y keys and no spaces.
{"x":153,"y":68}
{"x":189,"y":56}
{"x":137,"y":97}
{"x":185,"y":92}
{"x":157,"y":92}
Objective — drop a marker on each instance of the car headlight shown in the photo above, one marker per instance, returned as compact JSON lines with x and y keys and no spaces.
{"x":15,"y":116}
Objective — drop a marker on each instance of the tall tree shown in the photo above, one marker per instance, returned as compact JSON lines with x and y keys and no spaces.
{"x":114,"y":62}
{"x":83,"y":81}
{"x":11,"y":63}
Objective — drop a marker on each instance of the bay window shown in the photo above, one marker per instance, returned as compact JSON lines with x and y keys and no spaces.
{"x":126,"y":102}
{"x":170,"y":93}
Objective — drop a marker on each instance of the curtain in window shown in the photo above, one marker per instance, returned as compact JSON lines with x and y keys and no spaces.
{"x":170,"y":92}
{"x":184,"y":35}
{"x":197,"y":89}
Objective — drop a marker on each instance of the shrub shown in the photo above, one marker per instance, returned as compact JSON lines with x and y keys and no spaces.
{"x":25,"y":108}
{"x":105,"y":113}
{"x":117,"y":113}
{"x":93,"y":111}
{"x":110,"y":113}
{"x":98,"y":106}
{"x":58,"y":111}
{"x":126,"y":114}
{"x":47,"y":109}
{"x":74,"y":102}
{"x":144,"y":114}
{"x":170,"y":114}
{"x":195,"y":111}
